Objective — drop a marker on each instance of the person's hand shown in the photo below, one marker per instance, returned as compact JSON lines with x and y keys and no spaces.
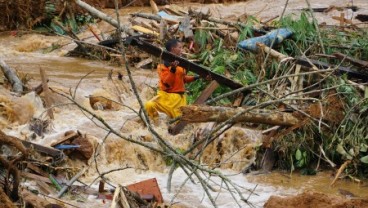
{"x":208,"y":78}
{"x":173,"y":65}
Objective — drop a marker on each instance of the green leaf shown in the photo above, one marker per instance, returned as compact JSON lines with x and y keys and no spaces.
{"x":351,"y":152}
{"x":340,"y":149}
{"x":364,"y":159}
{"x":298,"y":155}
{"x":300,"y":163}
{"x":219,"y":69}
{"x":363,"y":147}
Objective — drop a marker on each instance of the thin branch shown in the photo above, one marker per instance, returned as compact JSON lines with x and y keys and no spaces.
{"x":316,"y":26}
{"x":80,"y":81}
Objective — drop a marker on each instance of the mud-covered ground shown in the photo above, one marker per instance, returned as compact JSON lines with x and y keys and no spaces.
{"x":27,"y":53}
{"x":315,"y":200}
{"x":22,"y":15}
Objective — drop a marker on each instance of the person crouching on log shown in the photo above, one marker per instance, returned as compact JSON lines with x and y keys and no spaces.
{"x":172,"y":78}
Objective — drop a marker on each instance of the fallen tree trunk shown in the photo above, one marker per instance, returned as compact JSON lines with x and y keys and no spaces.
{"x":355,"y":62}
{"x":190,"y":66}
{"x":12,"y":77}
{"x":104,"y":17}
{"x":195,"y":114}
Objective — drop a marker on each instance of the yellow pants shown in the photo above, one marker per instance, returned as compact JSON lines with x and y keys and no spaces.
{"x":168,"y":103}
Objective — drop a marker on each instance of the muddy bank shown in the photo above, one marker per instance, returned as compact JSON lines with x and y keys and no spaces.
{"x":316,"y":200}
{"x":25,"y":15}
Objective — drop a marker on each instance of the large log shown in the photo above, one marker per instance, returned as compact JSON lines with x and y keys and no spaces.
{"x":196,"y":114}
{"x":12,"y":77}
{"x":206,"y":93}
{"x":149,"y":48}
{"x":190,"y":66}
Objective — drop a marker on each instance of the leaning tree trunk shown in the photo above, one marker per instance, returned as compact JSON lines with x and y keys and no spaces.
{"x":104,"y":17}
{"x":195,"y":114}
{"x":12,"y":77}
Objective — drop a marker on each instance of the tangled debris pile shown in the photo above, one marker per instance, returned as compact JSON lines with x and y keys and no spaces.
{"x":303,"y":85}
{"x":29,"y":14}
{"x":316,"y":73}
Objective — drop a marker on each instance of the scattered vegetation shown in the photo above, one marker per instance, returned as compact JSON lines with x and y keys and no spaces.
{"x":341,"y":133}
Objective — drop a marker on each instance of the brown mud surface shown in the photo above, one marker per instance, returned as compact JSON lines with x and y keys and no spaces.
{"x":23,"y":53}
{"x":315,"y":200}
{"x":5,"y":201}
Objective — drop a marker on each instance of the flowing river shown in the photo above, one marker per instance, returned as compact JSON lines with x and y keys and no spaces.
{"x":26,"y":53}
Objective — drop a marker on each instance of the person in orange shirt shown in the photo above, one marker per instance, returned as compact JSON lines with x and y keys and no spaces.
{"x":171,"y":93}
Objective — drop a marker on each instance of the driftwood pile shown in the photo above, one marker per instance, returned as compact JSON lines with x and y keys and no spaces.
{"x":43,"y":165}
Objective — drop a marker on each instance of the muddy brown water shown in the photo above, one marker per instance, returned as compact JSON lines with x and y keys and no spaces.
{"x":25,"y":54}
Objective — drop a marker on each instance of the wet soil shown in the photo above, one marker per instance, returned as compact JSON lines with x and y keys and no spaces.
{"x":25,"y":14}
{"x":315,"y":200}
{"x":65,"y":73}
{"x":5,"y":201}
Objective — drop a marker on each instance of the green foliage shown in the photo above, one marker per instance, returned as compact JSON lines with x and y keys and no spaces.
{"x":247,"y":32}
{"x":201,"y":37}
{"x":220,"y":60}
{"x":347,"y":140}
{"x":83,"y":19}
{"x":301,"y":158}
{"x":304,"y":33}
{"x":305,"y":38}
{"x":364,"y":159}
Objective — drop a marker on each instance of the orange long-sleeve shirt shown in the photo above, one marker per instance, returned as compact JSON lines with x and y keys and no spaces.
{"x":173,"y":82}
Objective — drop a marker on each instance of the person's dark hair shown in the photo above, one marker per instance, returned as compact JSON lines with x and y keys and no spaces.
{"x":171,"y":44}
